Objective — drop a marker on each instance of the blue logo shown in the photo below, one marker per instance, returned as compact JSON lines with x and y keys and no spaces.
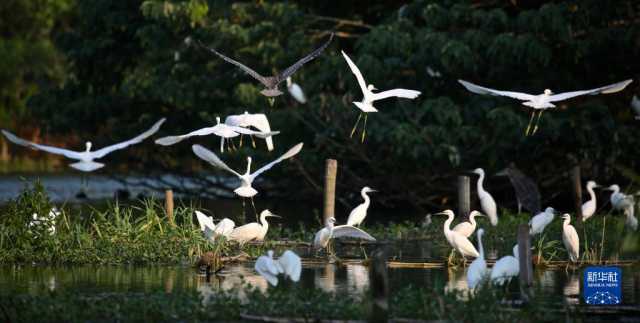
{"x":602,"y":285}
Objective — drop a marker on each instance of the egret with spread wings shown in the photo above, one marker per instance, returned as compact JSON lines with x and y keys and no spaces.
{"x":256,"y":120}
{"x":332,"y":231}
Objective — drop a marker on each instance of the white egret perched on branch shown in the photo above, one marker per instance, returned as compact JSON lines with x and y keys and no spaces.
{"x":271,"y":82}
{"x":358,"y":214}
{"x":570,"y":238}
{"x":625,"y":203}
{"x":255,"y":120}
{"x":506,"y":268}
{"x":541,"y":220}
{"x":543,"y":101}
{"x":296,"y":91}
{"x":288,"y":264}
{"x":366,"y":105}
{"x":212,"y":230}
{"x":466,"y":228}
{"x":457,"y":240}
{"x":222,"y":130}
{"x":478,"y":269}
{"x":589,"y":207}
{"x":332,"y":231}
{"x":252,"y":231}
{"x":487,"y":202}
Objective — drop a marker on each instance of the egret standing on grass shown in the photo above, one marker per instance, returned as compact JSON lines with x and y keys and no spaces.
{"x":457,"y":240}
{"x":589,"y":207}
{"x":506,"y":268}
{"x":296,"y":91}
{"x":212,"y":230}
{"x":256,"y":120}
{"x":487,"y":202}
{"x":541,"y":220}
{"x":366,"y":105}
{"x":478,"y":269}
{"x":358,"y":214}
{"x":466,"y":228}
{"x":331,"y":231}
{"x":543,"y":101}
{"x":570,"y":238}
{"x":252,"y":231}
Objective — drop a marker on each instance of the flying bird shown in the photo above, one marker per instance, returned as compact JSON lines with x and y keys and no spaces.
{"x":505,"y":268}
{"x":541,"y":220}
{"x":570,"y":238}
{"x":366,"y":105}
{"x":252,"y":231}
{"x":543,"y":101}
{"x":487,"y":203}
{"x":86,"y":158}
{"x":466,"y":228}
{"x":457,"y":241}
{"x":296,"y":91}
{"x":589,"y":207}
{"x":256,"y":120}
{"x":478,"y":269}
{"x":271,"y":82}
{"x":332,"y":231}
{"x":222,"y":130}
{"x":212,"y":230}
{"x":358,"y":214}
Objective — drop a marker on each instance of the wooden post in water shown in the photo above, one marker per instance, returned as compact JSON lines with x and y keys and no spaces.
{"x":525,"y":262}
{"x":379,"y":281}
{"x":331,"y":168}
{"x":576,"y":184}
{"x":464,"y":196}
{"x":168,"y":205}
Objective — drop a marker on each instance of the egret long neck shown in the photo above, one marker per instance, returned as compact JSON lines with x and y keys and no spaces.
{"x":591,"y":193}
{"x":480,"y":184}
{"x":263,"y":221}
{"x":248,"y":166}
{"x":367,"y":201}
{"x":566,"y":222}
{"x":447,"y":224}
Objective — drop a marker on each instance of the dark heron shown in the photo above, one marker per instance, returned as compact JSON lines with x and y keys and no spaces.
{"x":527,"y":192}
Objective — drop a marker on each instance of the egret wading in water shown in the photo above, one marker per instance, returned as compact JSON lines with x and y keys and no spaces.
{"x":288,"y":264}
{"x":331,"y":231}
{"x":271,"y":82}
{"x":478,"y":269}
{"x":589,"y":207}
{"x":543,"y":101}
{"x":366,"y":105}
{"x":86,"y":158}
{"x":466,"y":228}
{"x":245,"y":190}
{"x":252,"y":231}
{"x":457,"y":240}
{"x":255,"y":120}
{"x":570,"y":238}
{"x":296,"y":91}
{"x":224,"y":131}
{"x":625,"y":203}
{"x":541,"y":220}
{"x":487,"y":203}
{"x":211,"y":230}
{"x":358,"y":214}
{"x":506,"y":268}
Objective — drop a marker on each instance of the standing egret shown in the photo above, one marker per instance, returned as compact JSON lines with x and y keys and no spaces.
{"x":478,"y":269}
{"x":222,"y":130}
{"x":506,"y":268}
{"x":332,"y":231}
{"x":358,"y":214}
{"x":570,"y":238}
{"x":457,"y":240}
{"x":625,"y":203}
{"x":268,"y":268}
{"x":589,"y":207}
{"x":271,"y":82}
{"x":256,"y":120}
{"x":541,"y":220}
{"x":487,"y":202}
{"x":252,"y":231}
{"x":212,"y":230}
{"x":366,"y":105}
{"x":296,"y":91}
{"x":543,"y":101}
{"x":466,"y":228}
{"x":635,"y":105}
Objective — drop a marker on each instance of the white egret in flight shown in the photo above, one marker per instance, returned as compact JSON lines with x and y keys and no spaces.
{"x":256,"y":120}
{"x":457,"y":240}
{"x":625,"y":203}
{"x":570,"y":238}
{"x":466,"y":228}
{"x":543,"y":101}
{"x":222,"y":130}
{"x":635,"y":105}
{"x":589,"y":207}
{"x":288,"y":264}
{"x":252,"y":231}
{"x":366,"y":105}
{"x":358,"y":214}
{"x":296,"y":91}
{"x":332,"y":231}
{"x":86,"y":158}
{"x":506,"y":268}
{"x":271,"y":82}
{"x":487,"y":203}
{"x":541,"y":220}
{"x":212,"y":230}
{"x":478,"y":269}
